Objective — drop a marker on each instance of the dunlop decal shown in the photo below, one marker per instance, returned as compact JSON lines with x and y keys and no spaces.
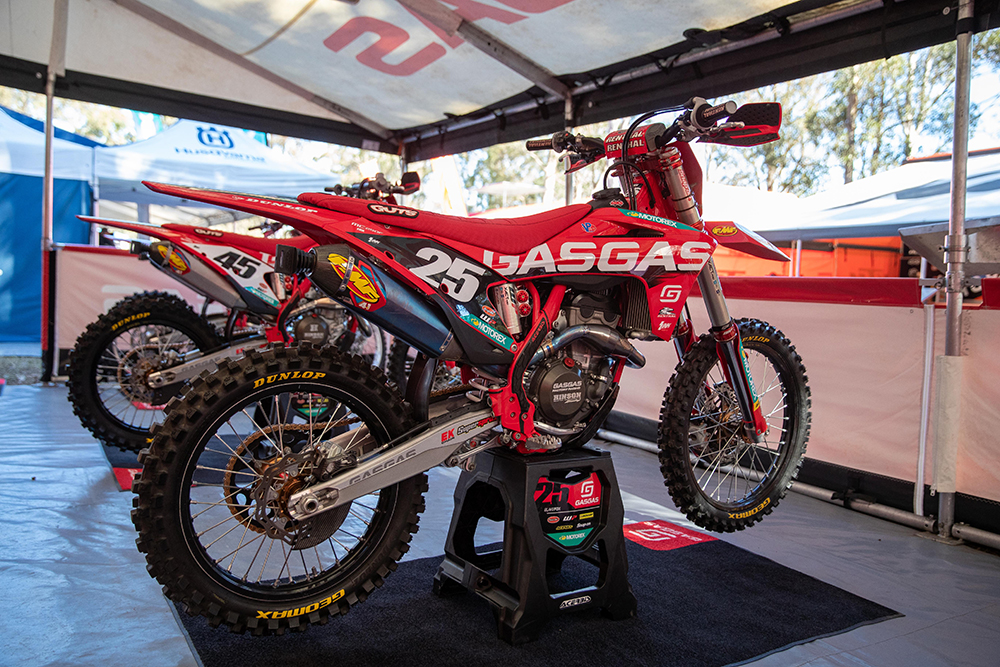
{"x":299,"y":611}
{"x":130,"y":318}
{"x":296,"y":375}
{"x":743,"y":515}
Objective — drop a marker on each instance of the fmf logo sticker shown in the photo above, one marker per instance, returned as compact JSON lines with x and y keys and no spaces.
{"x":175,"y":260}
{"x":362,"y":283}
{"x":612,"y":257}
{"x":724,"y":230}
{"x":386,"y":209}
{"x":299,"y":611}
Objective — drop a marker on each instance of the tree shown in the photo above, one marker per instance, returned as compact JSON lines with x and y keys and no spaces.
{"x":795,"y":163}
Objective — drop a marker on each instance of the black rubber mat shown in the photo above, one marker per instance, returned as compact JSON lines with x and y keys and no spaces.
{"x":704,"y":604}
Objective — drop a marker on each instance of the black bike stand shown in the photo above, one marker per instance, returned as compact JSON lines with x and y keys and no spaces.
{"x":555,"y":506}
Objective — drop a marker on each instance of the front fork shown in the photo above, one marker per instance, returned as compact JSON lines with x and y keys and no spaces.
{"x":730,"y":350}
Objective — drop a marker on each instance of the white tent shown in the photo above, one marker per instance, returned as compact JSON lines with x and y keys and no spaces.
{"x":204,"y":155}
{"x":22,"y":152}
{"x":916,"y":193}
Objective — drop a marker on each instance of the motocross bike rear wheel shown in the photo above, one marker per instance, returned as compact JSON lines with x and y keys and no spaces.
{"x":716,"y":476}
{"x":211,"y":505}
{"x":401,"y":358}
{"x":108,"y":366}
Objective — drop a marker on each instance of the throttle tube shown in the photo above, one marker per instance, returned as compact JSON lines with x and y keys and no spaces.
{"x":538,"y":144}
{"x":707,"y":116}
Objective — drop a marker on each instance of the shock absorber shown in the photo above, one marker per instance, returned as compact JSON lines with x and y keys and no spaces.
{"x":505,"y":298}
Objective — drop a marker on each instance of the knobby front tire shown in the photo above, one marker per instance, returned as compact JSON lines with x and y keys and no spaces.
{"x":205,"y":486}
{"x":718,"y":478}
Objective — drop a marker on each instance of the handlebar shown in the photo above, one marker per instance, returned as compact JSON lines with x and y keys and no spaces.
{"x":539,"y":145}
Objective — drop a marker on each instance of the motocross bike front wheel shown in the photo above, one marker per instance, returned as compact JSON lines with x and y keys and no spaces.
{"x":109,"y":364}
{"x":716,"y":475}
{"x":401,"y":357}
{"x":211,"y":506}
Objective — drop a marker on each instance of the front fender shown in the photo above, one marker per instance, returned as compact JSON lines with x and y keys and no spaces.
{"x":736,"y":236}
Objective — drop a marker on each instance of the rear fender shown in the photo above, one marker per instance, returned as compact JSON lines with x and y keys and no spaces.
{"x":736,"y":236}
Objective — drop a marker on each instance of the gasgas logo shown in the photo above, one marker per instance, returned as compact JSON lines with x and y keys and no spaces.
{"x":612,"y":257}
{"x":724,"y":230}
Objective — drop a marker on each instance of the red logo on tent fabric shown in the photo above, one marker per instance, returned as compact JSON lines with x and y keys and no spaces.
{"x":663,"y":536}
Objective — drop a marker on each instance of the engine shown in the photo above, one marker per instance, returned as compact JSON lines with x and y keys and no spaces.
{"x":568,"y":386}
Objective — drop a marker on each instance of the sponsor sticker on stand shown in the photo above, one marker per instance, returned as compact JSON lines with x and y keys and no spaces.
{"x":661,"y":535}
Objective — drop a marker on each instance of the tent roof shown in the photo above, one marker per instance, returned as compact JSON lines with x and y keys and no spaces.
{"x":205,"y":155}
{"x":916,"y":193}
{"x":439,"y":78}
{"x":22,"y":152}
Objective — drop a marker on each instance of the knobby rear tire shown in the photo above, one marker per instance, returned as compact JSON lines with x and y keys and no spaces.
{"x":146,"y":309}
{"x":165,"y":510}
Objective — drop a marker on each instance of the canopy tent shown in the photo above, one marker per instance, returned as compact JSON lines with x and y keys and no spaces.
{"x":916,"y":193}
{"x":203,"y":155}
{"x":22,"y":153}
{"x":431,"y":78}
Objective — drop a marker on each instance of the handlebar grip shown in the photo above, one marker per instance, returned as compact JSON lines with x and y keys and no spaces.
{"x":707,"y":117}
{"x":538,"y":144}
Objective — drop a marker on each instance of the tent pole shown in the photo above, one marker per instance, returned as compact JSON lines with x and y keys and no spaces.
{"x":956,"y":248}
{"x":568,"y":118}
{"x":56,"y":68}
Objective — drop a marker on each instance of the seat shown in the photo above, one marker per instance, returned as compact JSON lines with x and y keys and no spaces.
{"x":512,"y":236}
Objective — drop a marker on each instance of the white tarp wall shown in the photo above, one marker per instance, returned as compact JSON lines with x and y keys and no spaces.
{"x":865,"y":368}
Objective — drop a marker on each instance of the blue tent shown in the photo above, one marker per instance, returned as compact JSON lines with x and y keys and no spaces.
{"x":22,"y":167}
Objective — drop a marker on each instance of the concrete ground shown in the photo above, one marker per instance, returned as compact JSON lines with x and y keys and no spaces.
{"x":69,"y":567}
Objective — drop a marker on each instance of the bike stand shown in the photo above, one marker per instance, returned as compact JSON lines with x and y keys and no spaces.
{"x":554,"y":506}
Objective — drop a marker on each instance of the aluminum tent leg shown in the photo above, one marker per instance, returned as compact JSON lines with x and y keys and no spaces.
{"x":568,"y":117}
{"x":57,"y":68}
{"x":956,"y":248}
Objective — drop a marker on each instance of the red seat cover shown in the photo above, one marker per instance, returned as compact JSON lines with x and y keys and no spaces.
{"x":506,"y":235}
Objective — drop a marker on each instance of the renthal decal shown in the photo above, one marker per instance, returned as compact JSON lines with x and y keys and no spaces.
{"x":724,"y":230}
{"x":299,"y":611}
{"x":652,"y":218}
{"x":386,"y":209}
{"x":207,"y":232}
{"x":574,"y":602}
{"x":456,"y":277}
{"x":174,"y":259}
{"x":278,"y":204}
{"x":381,"y":467}
{"x":614,"y":257}
{"x":130,"y":318}
{"x":366,"y":292}
{"x":743,"y":515}
{"x":553,"y":519}
{"x":296,"y":375}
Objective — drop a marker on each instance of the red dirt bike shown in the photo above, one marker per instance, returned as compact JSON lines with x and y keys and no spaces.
{"x":274,"y":524}
{"x":126,"y":365}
